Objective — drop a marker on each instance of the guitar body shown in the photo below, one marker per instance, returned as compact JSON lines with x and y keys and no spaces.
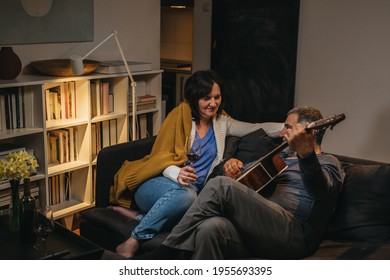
{"x":263,"y":171}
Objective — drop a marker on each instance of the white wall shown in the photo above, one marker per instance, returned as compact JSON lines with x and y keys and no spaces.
{"x":138,"y":24}
{"x":201,"y":53}
{"x":344,"y":67}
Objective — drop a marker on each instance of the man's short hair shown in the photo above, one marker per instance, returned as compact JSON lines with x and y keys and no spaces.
{"x":309,"y":114}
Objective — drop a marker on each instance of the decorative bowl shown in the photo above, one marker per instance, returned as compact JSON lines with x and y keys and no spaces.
{"x":62,"y":68}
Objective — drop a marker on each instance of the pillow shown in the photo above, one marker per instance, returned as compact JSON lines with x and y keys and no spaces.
{"x":363,"y":207}
{"x":253,"y":146}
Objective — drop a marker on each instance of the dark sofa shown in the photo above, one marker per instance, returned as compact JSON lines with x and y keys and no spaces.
{"x":359,"y":228}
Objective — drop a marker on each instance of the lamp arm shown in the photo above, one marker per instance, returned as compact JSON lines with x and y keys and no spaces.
{"x":133,"y":85}
{"x":114,"y":33}
{"x":77,"y":68}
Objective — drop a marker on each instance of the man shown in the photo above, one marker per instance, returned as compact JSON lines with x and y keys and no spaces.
{"x":229,"y":220}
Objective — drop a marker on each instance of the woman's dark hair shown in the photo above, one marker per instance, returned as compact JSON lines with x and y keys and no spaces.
{"x":199,"y":85}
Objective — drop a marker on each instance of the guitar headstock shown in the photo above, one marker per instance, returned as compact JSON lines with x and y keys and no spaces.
{"x":327,"y":122}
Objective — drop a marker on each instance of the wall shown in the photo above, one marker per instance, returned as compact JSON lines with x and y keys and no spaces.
{"x":138,"y":24}
{"x":344,"y":67}
{"x":201,"y":35}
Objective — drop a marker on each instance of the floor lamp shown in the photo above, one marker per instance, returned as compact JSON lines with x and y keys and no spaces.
{"x":77,"y":65}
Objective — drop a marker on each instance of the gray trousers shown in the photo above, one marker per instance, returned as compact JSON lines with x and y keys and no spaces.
{"x":229,"y":220}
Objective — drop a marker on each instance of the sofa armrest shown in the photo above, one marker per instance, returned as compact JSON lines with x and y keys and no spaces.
{"x":111,"y":158}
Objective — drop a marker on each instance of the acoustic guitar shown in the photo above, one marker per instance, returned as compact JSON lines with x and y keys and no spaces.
{"x":261,"y":172}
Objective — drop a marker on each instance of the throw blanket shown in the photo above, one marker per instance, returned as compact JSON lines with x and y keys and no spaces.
{"x":168,"y":149}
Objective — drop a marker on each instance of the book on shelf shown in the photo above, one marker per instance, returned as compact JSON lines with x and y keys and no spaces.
{"x":71,"y":91}
{"x":28,"y":112}
{"x":144,"y":102}
{"x":94,"y":140}
{"x":62,"y":145}
{"x":141,"y":107}
{"x":110,"y":102}
{"x":95,"y":98}
{"x":145,"y":98}
{"x":59,"y":144}
{"x":59,"y":188}
{"x":117,"y":66}
{"x":5,"y":194}
{"x":3,"y":125}
{"x":94,"y":183}
{"x":105,"y":97}
{"x":113,"y":131}
{"x":60,"y":101}
{"x":102,"y":100}
{"x":105,"y":133}
{"x":16,"y":108}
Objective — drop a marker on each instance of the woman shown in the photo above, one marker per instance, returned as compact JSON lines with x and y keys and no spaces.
{"x":167,"y":186}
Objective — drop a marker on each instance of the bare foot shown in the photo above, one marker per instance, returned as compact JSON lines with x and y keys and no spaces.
{"x":125,"y":212}
{"x":128,"y":248}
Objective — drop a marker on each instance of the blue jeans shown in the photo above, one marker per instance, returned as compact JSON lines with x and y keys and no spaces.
{"x":164,"y":202}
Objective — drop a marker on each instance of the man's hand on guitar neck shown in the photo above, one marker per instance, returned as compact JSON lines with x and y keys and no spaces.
{"x":232,"y":168}
{"x":300,"y":140}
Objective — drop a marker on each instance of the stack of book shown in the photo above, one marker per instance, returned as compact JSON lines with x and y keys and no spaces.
{"x":5,"y":192}
{"x":144,"y":102}
{"x":117,"y":66}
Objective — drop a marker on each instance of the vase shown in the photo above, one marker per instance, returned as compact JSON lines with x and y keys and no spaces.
{"x":26,"y":214}
{"x":14,"y":222}
{"x":10,"y":64}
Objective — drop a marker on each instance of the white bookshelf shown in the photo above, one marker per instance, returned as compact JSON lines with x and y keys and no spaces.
{"x":81,"y":190}
{"x":152,"y":86}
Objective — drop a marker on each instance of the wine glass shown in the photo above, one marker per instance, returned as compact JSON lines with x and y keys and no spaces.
{"x":192,"y":148}
{"x":43,"y":225}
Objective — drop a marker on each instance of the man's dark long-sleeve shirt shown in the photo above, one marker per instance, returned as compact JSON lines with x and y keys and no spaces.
{"x":308,"y":189}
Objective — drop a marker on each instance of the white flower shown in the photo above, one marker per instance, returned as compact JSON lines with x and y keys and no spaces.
{"x":17,"y":165}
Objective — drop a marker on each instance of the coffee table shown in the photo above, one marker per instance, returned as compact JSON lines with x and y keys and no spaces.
{"x":61,"y":244}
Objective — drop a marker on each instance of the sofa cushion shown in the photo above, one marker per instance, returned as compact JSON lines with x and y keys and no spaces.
{"x":111,"y":220}
{"x":363,"y":208}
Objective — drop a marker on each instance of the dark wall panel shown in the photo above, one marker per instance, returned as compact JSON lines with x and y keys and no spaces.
{"x":254,"y":50}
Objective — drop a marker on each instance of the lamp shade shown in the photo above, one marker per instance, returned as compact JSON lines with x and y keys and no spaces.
{"x":76,"y":62}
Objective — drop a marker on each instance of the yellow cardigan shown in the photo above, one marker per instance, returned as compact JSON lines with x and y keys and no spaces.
{"x":168,"y":149}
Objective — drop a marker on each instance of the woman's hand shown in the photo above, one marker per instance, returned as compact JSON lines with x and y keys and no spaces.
{"x":232,"y":168}
{"x":187,"y":176}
